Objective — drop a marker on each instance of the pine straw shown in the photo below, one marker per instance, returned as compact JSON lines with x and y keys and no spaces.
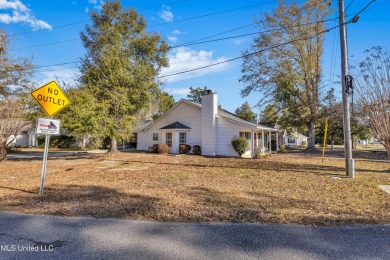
{"x":283,"y":188}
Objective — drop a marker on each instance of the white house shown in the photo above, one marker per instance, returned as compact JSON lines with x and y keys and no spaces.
{"x":26,"y":138}
{"x":208,"y":126}
{"x":296,"y":139}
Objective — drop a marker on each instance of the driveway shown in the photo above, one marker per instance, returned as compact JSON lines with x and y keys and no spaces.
{"x":52,"y":237}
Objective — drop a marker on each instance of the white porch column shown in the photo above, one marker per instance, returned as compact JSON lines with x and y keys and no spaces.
{"x":262,"y":141}
{"x":277,"y":141}
{"x":269,"y":142}
{"x":252,"y":143}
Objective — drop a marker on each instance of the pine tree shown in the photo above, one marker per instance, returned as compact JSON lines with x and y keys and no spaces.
{"x":120,"y":67}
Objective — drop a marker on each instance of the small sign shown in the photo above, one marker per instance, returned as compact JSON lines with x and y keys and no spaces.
{"x":48,"y":126}
{"x":51,"y":98}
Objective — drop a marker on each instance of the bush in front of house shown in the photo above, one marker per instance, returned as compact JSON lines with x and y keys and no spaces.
{"x":162,"y":148}
{"x":283,"y":149}
{"x":155,"y":148}
{"x":184,"y":148}
{"x":240,"y":145}
{"x":196,"y":149}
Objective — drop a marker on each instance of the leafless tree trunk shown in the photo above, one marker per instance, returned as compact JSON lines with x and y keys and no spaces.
{"x":14,"y":83}
{"x":373,"y":92}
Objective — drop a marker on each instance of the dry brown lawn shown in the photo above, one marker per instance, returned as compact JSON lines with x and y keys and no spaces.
{"x":283,"y":188}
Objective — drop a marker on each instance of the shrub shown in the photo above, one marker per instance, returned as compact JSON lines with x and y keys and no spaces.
{"x":283,"y":148}
{"x":240,"y":145}
{"x":184,"y":148}
{"x":196,"y":149}
{"x":259,"y":153}
{"x":162,"y":148}
{"x":155,"y":148}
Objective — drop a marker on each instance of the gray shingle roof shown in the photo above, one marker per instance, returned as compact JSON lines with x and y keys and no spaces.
{"x":175,"y":125}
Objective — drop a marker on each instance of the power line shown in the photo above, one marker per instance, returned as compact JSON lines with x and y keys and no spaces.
{"x":45,"y":44}
{"x":263,"y":50}
{"x":211,"y":14}
{"x":349,"y":5}
{"x":84,"y":22}
{"x":184,"y":44}
{"x":248,"y":34}
{"x":215,"y":64}
{"x":247,"y":55}
{"x":211,"y":36}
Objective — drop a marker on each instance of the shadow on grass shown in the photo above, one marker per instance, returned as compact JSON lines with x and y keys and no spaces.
{"x":78,"y":200}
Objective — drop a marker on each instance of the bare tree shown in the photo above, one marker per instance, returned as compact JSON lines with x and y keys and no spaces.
{"x":373,"y":92}
{"x":14,"y":89}
{"x":284,"y":62}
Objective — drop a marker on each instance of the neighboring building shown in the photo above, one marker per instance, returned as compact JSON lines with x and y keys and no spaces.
{"x":208,"y":126}
{"x":296,"y":139}
{"x":26,"y":138}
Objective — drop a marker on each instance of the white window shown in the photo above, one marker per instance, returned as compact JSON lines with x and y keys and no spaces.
{"x":155,"y":136}
{"x":182,"y":138}
{"x":168,"y":139}
{"x":247,"y":135}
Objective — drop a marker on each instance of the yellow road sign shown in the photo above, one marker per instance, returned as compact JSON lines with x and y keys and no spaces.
{"x":51,"y":98}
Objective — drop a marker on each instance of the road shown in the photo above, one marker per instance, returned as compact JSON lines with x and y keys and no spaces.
{"x":54,"y":237}
{"x":36,"y":155}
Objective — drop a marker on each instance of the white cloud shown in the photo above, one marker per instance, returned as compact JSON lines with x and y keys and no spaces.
{"x":172,"y":39}
{"x":236,"y":41}
{"x":166,"y":14}
{"x":13,"y":5}
{"x":177,"y":32}
{"x":68,"y":76}
{"x":96,"y":4}
{"x":184,"y":59}
{"x":19,"y":13}
{"x":178,"y":92}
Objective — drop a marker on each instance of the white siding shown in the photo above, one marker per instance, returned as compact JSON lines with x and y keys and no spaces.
{"x":184,"y":113}
{"x":226,"y":130}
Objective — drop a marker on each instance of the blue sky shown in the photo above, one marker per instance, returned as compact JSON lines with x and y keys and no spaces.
{"x":48,"y":32}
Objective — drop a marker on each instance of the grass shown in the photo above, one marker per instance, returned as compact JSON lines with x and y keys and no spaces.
{"x":282,"y":188}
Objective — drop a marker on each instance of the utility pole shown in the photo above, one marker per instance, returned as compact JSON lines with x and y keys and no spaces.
{"x":349,"y":163}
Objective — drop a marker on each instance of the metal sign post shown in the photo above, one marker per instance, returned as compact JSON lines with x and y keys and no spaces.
{"x":43,"y":173}
{"x":52,"y":100}
{"x":48,"y":127}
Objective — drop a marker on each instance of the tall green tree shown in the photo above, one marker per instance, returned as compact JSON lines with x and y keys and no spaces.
{"x":196,"y":94}
{"x":164,"y":101}
{"x":285,"y":62}
{"x":270,"y":113}
{"x":15,"y":87}
{"x":120,"y":66}
{"x":82,"y":119}
{"x":245,"y":112}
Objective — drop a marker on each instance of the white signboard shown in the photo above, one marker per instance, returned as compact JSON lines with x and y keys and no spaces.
{"x":48,"y":126}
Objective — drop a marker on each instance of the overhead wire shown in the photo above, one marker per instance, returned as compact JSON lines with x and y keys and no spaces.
{"x":263,"y":50}
{"x":247,"y":55}
{"x":248,"y":34}
{"x":184,"y":44}
{"x":84,"y":22}
{"x":218,"y":63}
{"x":281,"y":28}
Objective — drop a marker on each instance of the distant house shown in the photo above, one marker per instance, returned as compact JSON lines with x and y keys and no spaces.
{"x":208,"y":126}
{"x":296,"y":139}
{"x":25,"y":138}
